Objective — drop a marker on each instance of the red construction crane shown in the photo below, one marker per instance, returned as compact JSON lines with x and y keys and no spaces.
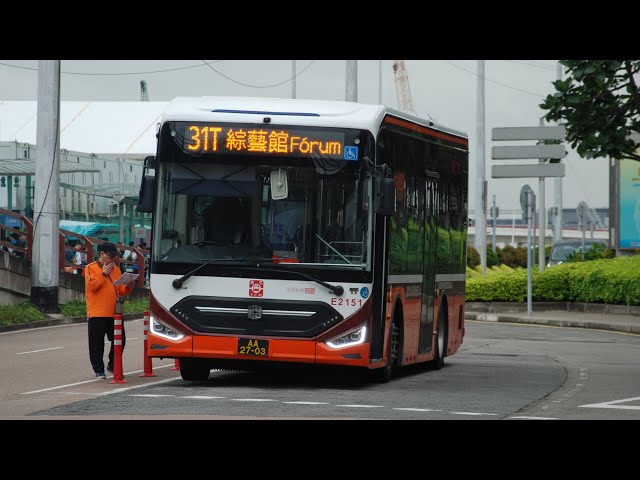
{"x":405,"y":102}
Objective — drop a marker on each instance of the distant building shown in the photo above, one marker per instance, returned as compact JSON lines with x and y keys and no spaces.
{"x":102,"y":147}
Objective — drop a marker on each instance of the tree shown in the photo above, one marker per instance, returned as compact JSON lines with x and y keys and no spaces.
{"x":599,"y":103}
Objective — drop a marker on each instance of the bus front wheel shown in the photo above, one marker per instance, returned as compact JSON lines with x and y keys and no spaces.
{"x":384,"y":374}
{"x":194,"y":370}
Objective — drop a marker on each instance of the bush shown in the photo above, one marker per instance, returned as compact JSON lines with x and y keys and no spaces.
{"x":492,"y":257}
{"x":613,"y":281}
{"x":16,"y":314}
{"x":27,"y":312}
{"x":473,"y":257}
{"x":79,"y":309}
{"x":503,"y":287}
{"x":512,"y":257}
{"x":74,"y":309}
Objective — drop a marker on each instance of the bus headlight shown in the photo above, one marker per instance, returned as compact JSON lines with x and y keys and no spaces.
{"x":349,"y":339}
{"x":163,"y":331}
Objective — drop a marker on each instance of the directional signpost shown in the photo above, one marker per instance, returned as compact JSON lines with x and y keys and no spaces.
{"x":528,"y":204}
{"x":533,"y":170}
{"x":528,"y":133}
{"x":528,"y":151}
{"x":541,"y":152}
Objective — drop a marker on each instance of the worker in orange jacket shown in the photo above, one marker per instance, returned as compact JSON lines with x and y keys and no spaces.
{"x":101,"y":298}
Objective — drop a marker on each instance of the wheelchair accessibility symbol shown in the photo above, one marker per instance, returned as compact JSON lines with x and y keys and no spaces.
{"x":350,"y":153}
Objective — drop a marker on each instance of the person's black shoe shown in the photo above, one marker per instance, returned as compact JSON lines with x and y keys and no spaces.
{"x":109,"y":368}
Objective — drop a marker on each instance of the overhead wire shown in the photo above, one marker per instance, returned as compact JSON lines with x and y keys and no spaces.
{"x":260,"y":86}
{"x":203,"y":64}
{"x":199,"y":65}
{"x":495,"y":81}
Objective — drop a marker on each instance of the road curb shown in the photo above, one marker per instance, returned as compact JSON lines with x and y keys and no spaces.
{"x":555,"y":322}
{"x":52,"y":322}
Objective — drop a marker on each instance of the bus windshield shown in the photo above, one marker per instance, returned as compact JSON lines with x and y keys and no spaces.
{"x":222,"y":211}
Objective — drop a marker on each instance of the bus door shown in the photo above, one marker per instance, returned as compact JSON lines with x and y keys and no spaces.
{"x":429,"y":267}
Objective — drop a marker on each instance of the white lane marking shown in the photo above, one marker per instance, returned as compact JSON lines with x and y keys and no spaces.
{"x":418,"y":409}
{"x":472,"y":413}
{"x":142,"y":385}
{"x":614,"y":404}
{"x":253,"y":399}
{"x":80,"y":393}
{"x":150,"y":395}
{"x":362,"y":406}
{"x":201,"y":397}
{"x":41,"y":350}
{"x":96,"y":380}
{"x":524,"y":417}
{"x":204,"y":397}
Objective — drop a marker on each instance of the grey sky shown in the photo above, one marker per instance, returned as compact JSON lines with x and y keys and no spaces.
{"x":444,"y":89}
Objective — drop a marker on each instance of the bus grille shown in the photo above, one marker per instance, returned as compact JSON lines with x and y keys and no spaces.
{"x":242,"y":316}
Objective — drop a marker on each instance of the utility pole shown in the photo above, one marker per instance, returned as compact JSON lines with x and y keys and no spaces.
{"x":542,"y":214}
{"x":380,"y":81}
{"x":144,"y":96}
{"x":45,"y":267}
{"x":293,"y":79}
{"x":530,"y":203}
{"x":557,"y":231}
{"x":494,"y":215}
{"x":352,"y":81}
{"x":481,"y":194}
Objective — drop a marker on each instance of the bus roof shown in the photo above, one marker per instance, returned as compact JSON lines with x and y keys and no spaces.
{"x":328,"y":113}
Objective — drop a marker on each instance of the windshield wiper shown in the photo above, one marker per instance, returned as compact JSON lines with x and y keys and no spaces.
{"x":177,"y":283}
{"x":337,"y":289}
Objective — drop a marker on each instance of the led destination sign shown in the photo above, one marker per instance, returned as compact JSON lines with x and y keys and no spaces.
{"x":243,"y":139}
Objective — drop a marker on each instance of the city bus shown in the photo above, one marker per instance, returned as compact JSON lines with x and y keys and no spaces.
{"x":291,"y":231}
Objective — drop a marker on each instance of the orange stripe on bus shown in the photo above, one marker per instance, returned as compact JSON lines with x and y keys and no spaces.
{"x":425,"y":130}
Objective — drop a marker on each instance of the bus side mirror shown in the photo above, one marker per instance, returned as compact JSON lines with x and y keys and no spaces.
{"x":384,"y":195}
{"x":147,"y":190}
{"x":150,"y":162}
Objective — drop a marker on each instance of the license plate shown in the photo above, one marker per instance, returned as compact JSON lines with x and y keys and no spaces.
{"x":253,"y":347}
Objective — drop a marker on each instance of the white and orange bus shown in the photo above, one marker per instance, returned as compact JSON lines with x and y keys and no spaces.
{"x":304,"y":231}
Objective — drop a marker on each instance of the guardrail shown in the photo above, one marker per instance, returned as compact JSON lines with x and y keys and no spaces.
{"x":16,"y":237}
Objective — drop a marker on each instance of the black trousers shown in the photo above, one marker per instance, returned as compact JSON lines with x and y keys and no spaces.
{"x":98,"y":328}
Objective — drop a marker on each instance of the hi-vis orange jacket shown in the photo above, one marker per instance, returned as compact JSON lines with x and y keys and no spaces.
{"x":100,"y":292}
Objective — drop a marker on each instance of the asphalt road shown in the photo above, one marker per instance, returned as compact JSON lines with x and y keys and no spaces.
{"x":502,"y":371}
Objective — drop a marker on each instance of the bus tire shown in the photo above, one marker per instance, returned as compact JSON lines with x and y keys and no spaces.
{"x":384,"y":374}
{"x":441,"y":341}
{"x":194,"y":370}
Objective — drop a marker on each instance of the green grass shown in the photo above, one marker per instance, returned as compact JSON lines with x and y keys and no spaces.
{"x":27,"y":312}
{"x":23,"y":313}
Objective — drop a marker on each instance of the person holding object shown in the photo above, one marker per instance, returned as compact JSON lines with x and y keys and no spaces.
{"x":104,"y":300}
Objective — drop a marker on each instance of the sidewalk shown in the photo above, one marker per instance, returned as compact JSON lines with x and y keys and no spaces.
{"x":561,"y":314}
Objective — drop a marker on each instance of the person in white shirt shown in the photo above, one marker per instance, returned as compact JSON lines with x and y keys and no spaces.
{"x":80,"y":258}
{"x":131,"y":256}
